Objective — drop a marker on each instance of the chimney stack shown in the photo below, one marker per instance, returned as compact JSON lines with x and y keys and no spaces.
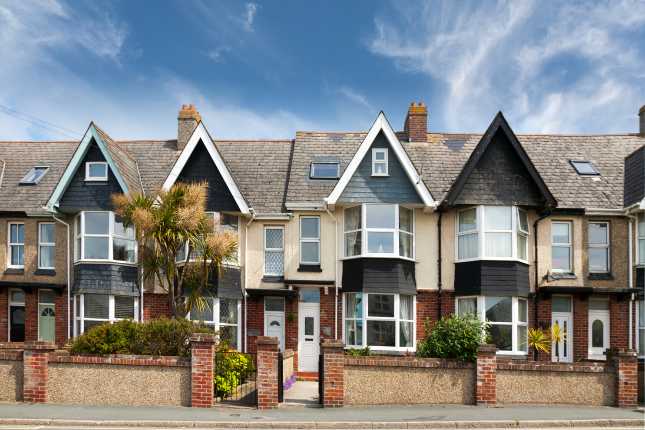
{"x":187,"y":121}
{"x":641,"y":120}
{"x":416,"y":122}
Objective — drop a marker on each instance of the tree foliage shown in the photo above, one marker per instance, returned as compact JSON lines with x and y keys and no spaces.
{"x":453,"y":337}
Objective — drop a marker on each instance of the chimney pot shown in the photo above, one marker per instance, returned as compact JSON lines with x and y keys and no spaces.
{"x":187,"y":121}
{"x":641,"y":120}
{"x":416,"y":122}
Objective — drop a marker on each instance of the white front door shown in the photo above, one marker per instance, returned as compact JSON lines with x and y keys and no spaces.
{"x":598,"y":334}
{"x":308,"y":336}
{"x":562,"y":351}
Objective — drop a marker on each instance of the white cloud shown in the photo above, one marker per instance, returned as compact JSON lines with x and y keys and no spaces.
{"x":250,"y":9}
{"x":550,"y":67}
{"x":355,"y":97}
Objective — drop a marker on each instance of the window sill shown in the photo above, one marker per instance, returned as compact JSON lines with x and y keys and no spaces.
{"x":601,"y":277}
{"x":45,"y":272}
{"x":467,"y":260}
{"x":14,"y":271}
{"x":309,"y":268}
{"x":392,"y":256}
{"x":273,"y":278}
{"x":555,"y":276}
{"x":124,"y":263}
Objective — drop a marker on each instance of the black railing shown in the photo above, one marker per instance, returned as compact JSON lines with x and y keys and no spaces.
{"x":280,"y":377}
{"x":321,"y":379}
{"x":235,"y":378}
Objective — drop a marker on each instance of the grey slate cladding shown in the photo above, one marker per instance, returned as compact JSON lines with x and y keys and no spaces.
{"x":81,"y":195}
{"x":365,"y":188}
{"x":114,"y":279}
{"x":634,"y":187}
{"x":492,"y":278}
{"x":379,"y":275}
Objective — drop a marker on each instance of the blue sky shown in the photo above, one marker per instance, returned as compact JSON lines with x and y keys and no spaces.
{"x":266,"y":69}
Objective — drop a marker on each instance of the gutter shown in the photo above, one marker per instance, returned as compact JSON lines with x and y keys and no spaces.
{"x":246,"y":254}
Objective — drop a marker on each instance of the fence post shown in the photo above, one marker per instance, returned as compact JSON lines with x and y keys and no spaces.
{"x":35,"y":371}
{"x":486,"y":386}
{"x":267,"y":372}
{"x":626,"y":366}
{"x":333,"y":377}
{"x":202,"y":349}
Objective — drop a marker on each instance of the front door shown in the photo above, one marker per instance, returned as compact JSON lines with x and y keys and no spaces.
{"x":16,"y":316}
{"x":274,"y":318}
{"x":598,"y":334}
{"x":561,"y":350}
{"x":308,"y":336}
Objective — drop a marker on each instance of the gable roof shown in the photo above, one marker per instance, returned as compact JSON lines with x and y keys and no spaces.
{"x":110,"y":151}
{"x":201,"y":135}
{"x":381,"y":124}
{"x":499,"y":123}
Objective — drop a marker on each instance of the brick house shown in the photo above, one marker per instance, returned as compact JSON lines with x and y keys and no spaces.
{"x":359,"y":236}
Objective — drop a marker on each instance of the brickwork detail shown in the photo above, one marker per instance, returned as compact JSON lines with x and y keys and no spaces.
{"x":626,"y":365}
{"x":35,"y":368}
{"x":255,"y":321}
{"x":333,"y":370}
{"x":202,"y":348}
{"x":486,"y":386}
{"x":267,"y":372}
{"x":155,"y":306}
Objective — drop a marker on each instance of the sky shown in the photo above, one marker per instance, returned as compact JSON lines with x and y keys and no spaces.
{"x":266,"y":69}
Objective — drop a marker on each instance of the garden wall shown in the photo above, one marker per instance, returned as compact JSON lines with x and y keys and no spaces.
{"x":288,"y":373}
{"x":11,"y":375}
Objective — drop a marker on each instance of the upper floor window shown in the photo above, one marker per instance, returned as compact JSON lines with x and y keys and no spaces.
{"x":34,"y":175}
{"x":641,"y":238}
{"x":585,"y":168}
{"x":222,"y":222}
{"x":16,"y":245}
{"x":102,"y":236}
{"x":96,"y":171}
{"x":324,"y":170}
{"x":599,"y":247}
{"x":379,"y":162}
{"x":492,"y":232}
{"x":388,"y":230}
{"x":46,"y":245}
{"x":561,"y":244}
{"x":310,"y":240}
{"x":274,"y":250}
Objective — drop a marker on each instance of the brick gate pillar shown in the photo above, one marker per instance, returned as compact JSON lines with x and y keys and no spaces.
{"x":486,"y":384}
{"x":35,"y":371}
{"x":202,"y":351}
{"x":333,"y":378}
{"x":626,"y":365}
{"x":267,"y":372}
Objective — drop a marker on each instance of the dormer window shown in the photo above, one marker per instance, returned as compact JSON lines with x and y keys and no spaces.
{"x":34,"y":175}
{"x":96,"y":171}
{"x":379,"y":162}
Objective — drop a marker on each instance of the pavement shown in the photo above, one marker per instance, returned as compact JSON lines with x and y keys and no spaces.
{"x":302,"y":393}
{"x":19,"y":415}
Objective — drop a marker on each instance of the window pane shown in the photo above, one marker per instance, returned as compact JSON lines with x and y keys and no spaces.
{"x":274,"y":304}
{"x":560,"y":232}
{"x":354,"y":305}
{"x":17,"y":255}
{"x":123,"y":307}
{"x":380,"y":243}
{"x":309,"y":295}
{"x":501,"y":336}
{"x":561,"y":304}
{"x":353,"y":218}
{"x":641,"y":342}
{"x":91,"y":324}
{"x":380,"y":305}
{"x":229,"y":223}
{"x":46,"y":256}
{"x":499,"y":309}
{"x":522,"y":220}
{"x":228,"y":311}
{"x":380,"y":216}
{"x":353,"y":243}
{"x":97,"y":223}
{"x":522,"y":246}
{"x":381,"y":333}
{"x":598,"y":233}
{"x":273,"y":237}
{"x":273,"y":262}
{"x":499,"y":245}
{"x":98,"y":170}
{"x":310,"y":252}
{"x":405,"y":334}
{"x":598,"y":259}
{"x":123,"y":250}
{"x":228,"y":334}
{"x":597,"y":334}
{"x":310,"y":228}
{"x":97,"y":248}
{"x":596,"y":304}
{"x":641,"y":313}
{"x":468,"y":220}
{"x":497,"y":217}
{"x":380,"y":168}
{"x":405,"y":245}
{"x":379,"y":155}
{"x":354,"y":332}
{"x":522,"y":310}
{"x":47,"y":233}
{"x":406,"y":307}
{"x":467,"y":306}
{"x":46,"y":296}
{"x":641,"y":225}
{"x":97,"y":306}
{"x":205,"y":314}
{"x":522,"y":338}
{"x":17,"y":233}
{"x":181,"y":253}
{"x":309,"y":326}
{"x":324,"y":170}
{"x":641,"y":251}
{"x":120,"y":230}
{"x":468,"y":246}
{"x":18,"y":296}
{"x":405,"y":219}
{"x":561,"y":258}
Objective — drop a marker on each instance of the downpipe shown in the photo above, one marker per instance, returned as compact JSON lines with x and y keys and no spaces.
{"x":246,"y":253}
{"x":335,"y":272}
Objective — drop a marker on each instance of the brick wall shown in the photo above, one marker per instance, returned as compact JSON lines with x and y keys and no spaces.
{"x":427,"y":306}
{"x":333,"y":369}
{"x":155,"y":306}
{"x":486,"y":384}
{"x":4,"y":315}
{"x":202,"y":349}
{"x":267,"y":372}
{"x":31,"y":316}
{"x":255,"y":321}
{"x":619,"y":321}
{"x":327,"y":302}
{"x":580,"y":327}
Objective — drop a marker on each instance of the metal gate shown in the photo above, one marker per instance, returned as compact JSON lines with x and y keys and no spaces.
{"x":235,"y":378}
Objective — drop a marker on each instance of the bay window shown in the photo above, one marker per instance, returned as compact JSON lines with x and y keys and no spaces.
{"x":640,"y":333}
{"x":223,"y":315}
{"x":379,"y":321}
{"x":641,"y":238}
{"x":507,"y":319}
{"x":102,"y":236}
{"x":91,"y":310}
{"x":388,"y":231}
{"x":492,"y":232}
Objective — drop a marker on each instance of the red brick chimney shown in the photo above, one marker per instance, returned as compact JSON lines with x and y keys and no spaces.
{"x":187,"y":121}
{"x":416,"y":122}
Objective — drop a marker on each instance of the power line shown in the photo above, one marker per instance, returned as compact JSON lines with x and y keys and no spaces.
{"x":38,"y":122}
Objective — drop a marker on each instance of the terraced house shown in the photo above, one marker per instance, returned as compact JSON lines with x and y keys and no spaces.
{"x":361,"y":236}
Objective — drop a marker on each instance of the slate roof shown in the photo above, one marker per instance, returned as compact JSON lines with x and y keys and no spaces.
{"x":125,"y":163}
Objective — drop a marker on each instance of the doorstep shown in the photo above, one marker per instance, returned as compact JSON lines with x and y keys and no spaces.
{"x":307,"y":376}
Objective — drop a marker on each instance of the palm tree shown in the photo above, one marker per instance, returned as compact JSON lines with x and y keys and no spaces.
{"x":165,"y":225}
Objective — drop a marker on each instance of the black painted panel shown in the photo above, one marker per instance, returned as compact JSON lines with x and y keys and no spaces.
{"x":640,"y":281}
{"x":200,"y":167}
{"x":106,"y":279}
{"x":488,"y":277}
{"x":81,"y":195}
{"x":379,"y":275}
{"x":365,"y":188}
{"x":634,"y":189}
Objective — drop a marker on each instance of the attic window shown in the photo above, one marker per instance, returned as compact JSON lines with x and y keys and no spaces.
{"x":34,"y":175}
{"x":584,"y":168}
{"x":324,"y":170}
{"x":379,"y":162}
{"x":96,"y":171}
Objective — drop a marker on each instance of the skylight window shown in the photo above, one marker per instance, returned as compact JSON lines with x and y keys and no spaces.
{"x":324,"y":170}
{"x":34,"y":175}
{"x":585,"y":168}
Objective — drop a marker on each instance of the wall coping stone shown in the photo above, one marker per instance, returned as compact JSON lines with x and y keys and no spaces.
{"x":288,"y":353}
{"x":10,"y":355}
{"x":120,"y":359}
{"x":420,"y":362}
{"x":203,"y":338}
{"x":266,"y":340}
{"x":487,"y":348}
{"x":12,"y":345}
{"x":582,"y":367}
{"x":40,"y":346}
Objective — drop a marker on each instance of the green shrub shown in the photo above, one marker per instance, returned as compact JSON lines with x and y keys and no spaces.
{"x":232,"y":369}
{"x":155,"y":337}
{"x":358,"y":352}
{"x":453,"y":337}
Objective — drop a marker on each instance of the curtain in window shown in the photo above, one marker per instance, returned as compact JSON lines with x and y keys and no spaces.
{"x":406,"y":324}
{"x":468,"y":245}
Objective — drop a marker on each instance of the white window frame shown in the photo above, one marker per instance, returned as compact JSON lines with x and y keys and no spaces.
{"x":281,"y":249}
{"x":600,"y":246}
{"x":79,"y":255}
{"x":11,"y":244}
{"x":640,"y":307}
{"x":42,"y":244}
{"x":394,"y":231}
{"x":515,"y":320}
{"x":311,"y":170}
{"x":214,"y":303}
{"x":520,"y":232}
{"x":397,"y":322}
{"x":310,"y":240}
{"x":563,"y":245}
{"x":481,"y":235}
{"x":79,"y":320}
{"x":640,"y":237}
{"x":89,"y":178}
{"x":376,"y":162}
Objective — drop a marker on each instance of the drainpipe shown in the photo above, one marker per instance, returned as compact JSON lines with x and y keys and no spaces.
{"x":246,"y":256}
{"x":69,"y":271}
{"x":439,"y":286}
{"x":630,"y":265}
{"x":535,"y":263}
{"x":335,"y":272}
